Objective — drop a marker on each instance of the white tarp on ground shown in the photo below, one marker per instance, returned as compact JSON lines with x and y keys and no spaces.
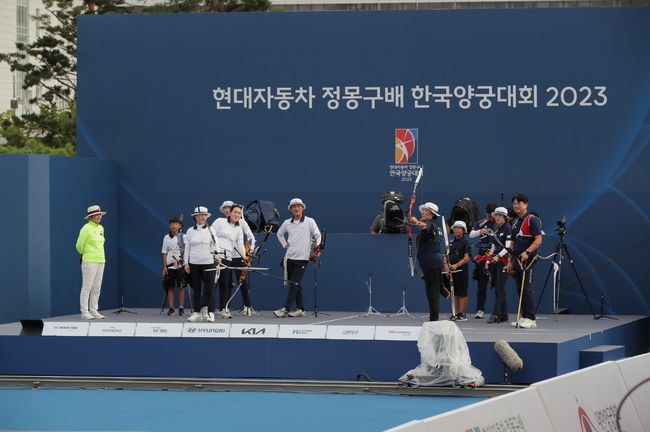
{"x":444,"y":357}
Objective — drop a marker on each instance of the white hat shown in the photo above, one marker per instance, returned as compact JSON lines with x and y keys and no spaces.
{"x":200,"y":210}
{"x":94,"y":210}
{"x":459,"y":224}
{"x":500,"y":210}
{"x":297,"y":201}
{"x":429,"y":206}
{"x":225,"y":204}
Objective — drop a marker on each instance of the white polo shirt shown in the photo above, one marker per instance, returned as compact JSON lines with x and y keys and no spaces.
{"x":229,"y":236}
{"x":171,"y":248}
{"x":247,"y":232}
{"x":300,"y":233}
{"x":199,"y":245}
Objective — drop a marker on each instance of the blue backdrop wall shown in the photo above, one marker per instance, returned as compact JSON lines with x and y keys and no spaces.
{"x":44,"y":200}
{"x":200,"y":108}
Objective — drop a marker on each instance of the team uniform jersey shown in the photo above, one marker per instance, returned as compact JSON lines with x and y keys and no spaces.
{"x":484,"y":243}
{"x":428,"y":254}
{"x":523,"y":233}
{"x":174,"y":247}
{"x":200,"y":244}
{"x":300,"y":234}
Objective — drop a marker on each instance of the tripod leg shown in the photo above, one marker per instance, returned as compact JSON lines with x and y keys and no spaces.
{"x":575,"y":271}
{"x":162,"y":306}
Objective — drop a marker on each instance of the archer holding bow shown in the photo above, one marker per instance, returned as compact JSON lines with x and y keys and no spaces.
{"x":429,"y":256}
{"x":524,"y":241}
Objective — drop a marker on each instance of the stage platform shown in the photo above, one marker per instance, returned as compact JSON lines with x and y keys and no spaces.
{"x":331,"y":346}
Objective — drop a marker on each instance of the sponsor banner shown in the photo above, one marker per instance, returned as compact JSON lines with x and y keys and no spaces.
{"x":351,"y":332}
{"x":302,"y":331}
{"x":586,"y":400}
{"x":254,"y":331}
{"x":104,"y":328}
{"x":634,"y":370}
{"x":159,"y":329}
{"x":56,"y":328}
{"x":403,"y":333}
{"x":517,"y":411}
{"x":206,"y":330}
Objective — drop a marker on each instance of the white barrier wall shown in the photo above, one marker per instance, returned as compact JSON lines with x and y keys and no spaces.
{"x":634,"y":370}
{"x":517,"y":411}
{"x":585,"y":400}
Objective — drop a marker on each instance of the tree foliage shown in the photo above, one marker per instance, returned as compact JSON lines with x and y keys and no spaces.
{"x":50,"y":64}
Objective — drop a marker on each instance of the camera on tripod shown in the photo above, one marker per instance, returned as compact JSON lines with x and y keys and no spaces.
{"x":393,"y":214}
{"x":561,"y":226}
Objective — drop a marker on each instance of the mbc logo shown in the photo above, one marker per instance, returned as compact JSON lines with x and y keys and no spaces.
{"x":253,"y":331}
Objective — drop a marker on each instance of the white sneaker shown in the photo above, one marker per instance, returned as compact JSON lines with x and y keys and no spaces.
{"x":86,"y":315}
{"x":97,"y":315}
{"x":224,"y":313}
{"x":517,"y":323}
{"x":297,"y":313}
{"x":280,"y":313}
{"x":246,"y":311}
{"x":204,"y":313}
{"x":194,"y":317}
{"x":210,"y":317}
{"x":528,"y":324}
{"x":479,"y":314}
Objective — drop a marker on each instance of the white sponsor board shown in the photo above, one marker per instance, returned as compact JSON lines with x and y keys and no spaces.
{"x":587,"y":400}
{"x":254,"y":331}
{"x":105,"y":328}
{"x":634,"y":370}
{"x":206,"y":330}
{"x":517,"y":411}
{"x":351,"y":332}
{"x":403,"y":333}
{"x":302,"y":331}
{"x":159,"y":329}
{"x":57,"y":328}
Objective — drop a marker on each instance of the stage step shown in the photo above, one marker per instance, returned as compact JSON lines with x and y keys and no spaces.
{"x":601,"y":353}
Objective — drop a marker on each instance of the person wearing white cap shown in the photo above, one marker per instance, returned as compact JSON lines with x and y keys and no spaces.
{"x":481,"y":230}
{"x":90,"y":245}
{"x":300,"y":230}
{"x":429,"y":256}
{"x":458,"y":258}
{"x":229,"y":236}
{"x":502,"y":231}
{"x":237,"y":259}
{"x":201,"y":247}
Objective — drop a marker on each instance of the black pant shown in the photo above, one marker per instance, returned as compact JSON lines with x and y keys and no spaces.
{"x":245,"y":292}
{"x":482,"y":279}
{"x":295,"y":271}
{"x":528,"y":295}
{"x":499,"y":280}
{"x":202,"y":297}
{"x":433,"y":286}
{"x":225,"y":285}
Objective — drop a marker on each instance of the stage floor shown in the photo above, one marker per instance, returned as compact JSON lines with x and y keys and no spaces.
{"x":333,"y":346}
{"x":550,"y":328}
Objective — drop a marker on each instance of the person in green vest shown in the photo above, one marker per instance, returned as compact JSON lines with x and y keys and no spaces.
{"x":90,"y":246}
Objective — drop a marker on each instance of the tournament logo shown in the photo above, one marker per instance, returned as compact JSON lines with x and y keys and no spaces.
{"x":406,"y":146}
{"x":585,"y":421}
